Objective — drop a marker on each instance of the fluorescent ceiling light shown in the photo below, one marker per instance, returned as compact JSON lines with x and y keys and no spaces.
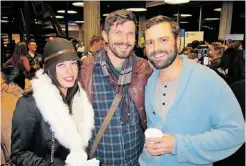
{"x":211,"y":19}
{"x":69,"y":11}
{"x":173,"y":2}
{"x":105,"y":15}
{"x":136,"y":9}
{"x":79,"y":22}
{"x":78,"y":4}
{"x":184,"y":22}
{"x":4,"y":21}
{"x":72,"y":24}
{"x":5,"y":17}
{"x":59,"y":17}
{"x":183,"y":15}
{"x":217,"y":9}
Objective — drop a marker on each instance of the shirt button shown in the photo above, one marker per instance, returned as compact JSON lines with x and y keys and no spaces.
{"x":154,"y":112}
{"x":164,"y":94}
{"x":163,"y":103}
{"x":165,"y":86}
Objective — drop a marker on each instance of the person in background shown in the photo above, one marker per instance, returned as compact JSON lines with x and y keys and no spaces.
{"x":13,"y":85}
{"x":186,"y":51}
{"x":216,"y":51}
{"x":81,"y":49}
{"x":233,"y":62}
{"x":139,"y":51}
{"x":51,"y":38}
{"x":20,"y":60}
{"x":112,"y":70}
{"x":95,"y":43}
{"x":195,"y":109}
{"x":52,"y":124}
{"x":33,"y":57}
{"x":207,"y":43}
{"x":193,"y":56}
{"x":194,"y":46}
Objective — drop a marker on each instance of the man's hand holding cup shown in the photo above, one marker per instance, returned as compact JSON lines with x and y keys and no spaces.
{"x":158,"y":143}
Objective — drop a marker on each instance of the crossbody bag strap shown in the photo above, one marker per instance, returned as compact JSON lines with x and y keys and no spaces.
{"x":105,"y":123}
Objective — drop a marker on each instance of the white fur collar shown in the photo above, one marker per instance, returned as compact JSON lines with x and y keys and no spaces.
{"x":72,"y":131}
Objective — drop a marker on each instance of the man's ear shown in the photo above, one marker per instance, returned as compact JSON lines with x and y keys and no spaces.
{"x":105,"y":36}
{"x":178,"y":41}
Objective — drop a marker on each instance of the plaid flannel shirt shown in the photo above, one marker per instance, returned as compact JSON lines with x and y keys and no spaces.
{"x":121,"y":143}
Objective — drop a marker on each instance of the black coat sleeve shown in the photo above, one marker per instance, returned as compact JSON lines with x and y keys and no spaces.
{"x":24,"y":126}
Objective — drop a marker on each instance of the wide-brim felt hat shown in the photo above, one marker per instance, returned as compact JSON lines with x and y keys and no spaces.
{"x":57,"y":51}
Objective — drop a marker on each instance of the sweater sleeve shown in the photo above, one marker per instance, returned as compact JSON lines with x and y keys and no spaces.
{"x":225,"y":137}
{"x":23,"y":130}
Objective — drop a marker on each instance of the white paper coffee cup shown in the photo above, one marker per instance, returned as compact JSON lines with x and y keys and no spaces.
{"x":153,"y":132}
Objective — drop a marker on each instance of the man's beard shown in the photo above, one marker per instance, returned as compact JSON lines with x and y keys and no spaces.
{"x":162,"y":64}
{"x":119,"y":53}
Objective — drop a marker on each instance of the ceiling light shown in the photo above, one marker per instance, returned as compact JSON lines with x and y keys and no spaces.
{"x":59,"y":17}
{"x":69,"y":11}
{"x":105,"y":15}
{"x":4,"y":21}
{"x":5,"y":17}
{"x":136,"y":9}
{"x":78,"y":4}
{"x":37,"y":22}
{"x":183,"y":15}
{"x":217,"y":9}
{"x":79,"y":22}
{"x":173,"y":2}
{"x":211,"y":19}
{"x":61,"y":11}
{"x":184,"y":22}
{"x":72,"y":24}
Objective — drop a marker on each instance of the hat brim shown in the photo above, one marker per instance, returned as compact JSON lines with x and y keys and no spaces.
{"x":60,"y":58}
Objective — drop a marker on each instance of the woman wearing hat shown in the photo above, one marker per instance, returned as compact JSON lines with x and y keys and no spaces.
{"x":53,"y":123}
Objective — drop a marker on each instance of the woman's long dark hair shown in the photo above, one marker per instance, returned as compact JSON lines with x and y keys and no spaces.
{"x":20,"y":50}
{"x":234,"y":61}
{"x":15,"y":75}
{"x":70,"y":92}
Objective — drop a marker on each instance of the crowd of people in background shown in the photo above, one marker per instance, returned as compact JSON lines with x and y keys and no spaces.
{"x":227,"y":60}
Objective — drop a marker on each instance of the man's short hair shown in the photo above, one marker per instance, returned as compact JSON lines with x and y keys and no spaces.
{"x":31,"y":40}
{"x":95,"y":39}
{"x":118,"y":17}
{"x":12,"y":74}
{"x":161,"y":19}
{"x":195,"y":44}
